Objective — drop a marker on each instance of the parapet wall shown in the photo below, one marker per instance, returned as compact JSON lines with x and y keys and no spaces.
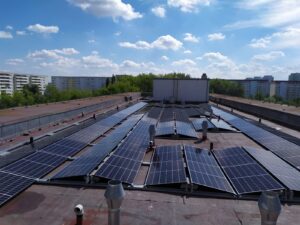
{"x":280,"y":117}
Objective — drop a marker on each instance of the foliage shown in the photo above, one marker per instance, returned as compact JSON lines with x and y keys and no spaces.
{"x":117,"y":84}
{"x":226,"y":87}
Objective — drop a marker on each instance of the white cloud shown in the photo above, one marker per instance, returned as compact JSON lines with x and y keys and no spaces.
{"x":163,"y":42}
{"x":165,"y":58}
{"x":269,"y":13}
{"x":187,"y":52}
{"x":188,"y":37}
{"x":21,"y":32}
{"x":189,"y":5}
{"x":8,"y":27}
{"x":14,"y":62}
{"x":184,"y":62}
{"x":159,"y":11}
{"x":107,"y":8}
{"x":96,"y":61}
{"x":167,"y":42}
{"x":62,"y":62}
{"x":54,"y":54}
{"x":287,"y":38}
{"x":129,"y":63}
{"x":118,"y":33}
{"x":5,"y":35}
{"x":269,"y":56}
{"x":38,"y":28}
{"x":216,"y":37}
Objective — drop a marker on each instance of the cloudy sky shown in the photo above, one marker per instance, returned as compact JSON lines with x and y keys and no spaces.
{"x":224,"y":38}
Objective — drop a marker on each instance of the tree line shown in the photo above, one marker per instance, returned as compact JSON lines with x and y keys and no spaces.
{"x":31,"y":94}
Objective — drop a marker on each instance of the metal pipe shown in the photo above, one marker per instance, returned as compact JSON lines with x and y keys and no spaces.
{"x":114,"y":195}
{"x":269,"y":207}
{"x":79,"y":214}
{"x":204,"y":130}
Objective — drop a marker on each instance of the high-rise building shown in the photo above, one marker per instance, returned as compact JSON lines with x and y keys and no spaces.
{"x":294,"y":77}
{"x":293,"y":90}
{"x":19,"y":81}
{"x":81,"y":83}
{"x":40,"y":81}
{"x":6,"y":83}
{"x":11,"y":82}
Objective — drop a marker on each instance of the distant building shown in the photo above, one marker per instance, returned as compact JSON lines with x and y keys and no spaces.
{"x":281,"y":88}
{"x":81,"y":83}
{"x":294,"y":77}
{"x":293,"y":90}
{"x":19,"y":81}
{"x":6,"y":83}
{"x":11,"y":82}
{"x":40,"y":81}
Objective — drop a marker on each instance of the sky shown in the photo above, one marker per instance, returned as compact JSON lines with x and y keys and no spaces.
{"x":222,"y":38}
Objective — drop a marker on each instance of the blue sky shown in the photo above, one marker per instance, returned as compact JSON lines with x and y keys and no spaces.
{"x":224,"y":38}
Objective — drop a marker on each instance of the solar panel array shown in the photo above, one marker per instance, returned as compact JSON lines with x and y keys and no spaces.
{"x":124,"y":163}
{"x":285,"y":173}
{"x":197,"y":123}
{"x":154,"y":112}
{"x":165,"y":128}
{"x":220,"y":124}
{"x":167,"y":115}
{"x":185,"y":129}
{"x":11,"y":185}
{"x":191,"y":112}
{"x":87,"y":162}
{"x":204,"y":169}
{"x":167,"y":166}
{"x":288,"y":151}
{"x":42,"y":162}
{"x":244,"y":173}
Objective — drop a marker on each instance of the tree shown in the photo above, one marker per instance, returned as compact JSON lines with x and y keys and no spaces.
{"x":107,"y":82}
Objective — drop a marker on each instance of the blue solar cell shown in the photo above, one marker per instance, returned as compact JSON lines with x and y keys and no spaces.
{"x":185,"y":129}
{"x":166,"y":166}
{"x":245,"y":174}
{"x":197,"y":123}
{"x":204,"y":170}
{"x":288,"y":151}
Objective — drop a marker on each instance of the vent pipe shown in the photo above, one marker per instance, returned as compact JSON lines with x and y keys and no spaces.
{"x":269,"y":207}
{"x":152,"y":135}
{"x":204,"y":130}
{"x":79,"y":214}
{"x":114,"y":195}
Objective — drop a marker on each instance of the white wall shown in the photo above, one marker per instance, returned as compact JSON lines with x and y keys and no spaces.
{"x":189,"y":90}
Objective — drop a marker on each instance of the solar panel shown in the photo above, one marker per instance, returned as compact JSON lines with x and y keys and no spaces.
{"x":118,"y":168}
{"x":288,"y":151}
{"x":285,"y":173}
{"x":167,"y":115}
{"x":123,"y":165}
{"x":245,"y":174}
{"x":11,"y":185}
{"x":167,"y":166}
{"x":87,"y":162}
{"x":39,"y":164}
{"x":154,"y":112}
{"x":26,"y":168}
{"x":185,"y":129}
{"x":165,"y":128}
{"x":204,"y":170}
{"x":220,"y":124}
{"x":197,"y":123}
{"x":192,"y":112}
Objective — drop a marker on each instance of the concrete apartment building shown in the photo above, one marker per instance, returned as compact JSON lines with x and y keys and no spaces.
{"x":287,"y":90}
{"x":11,"y":82}
{"x":6,"y":83}
{"x":81,"y":83}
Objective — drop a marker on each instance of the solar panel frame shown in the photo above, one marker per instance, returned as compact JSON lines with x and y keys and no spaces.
{"x":167,"y":166}
{"x":287,"y":150}
{"x":245,"y":176}
{"x":165,"y":128}
{"x":285,"y":173}
{"x":197,"y":123}
{"x":185,"y":129}
{"x":204,"y":169}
